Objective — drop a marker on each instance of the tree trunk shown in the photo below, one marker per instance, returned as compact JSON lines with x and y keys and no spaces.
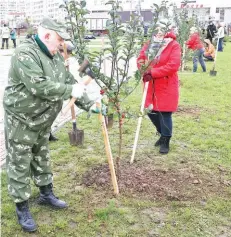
{"x":183,"y":58}
{"x":120,"y":149}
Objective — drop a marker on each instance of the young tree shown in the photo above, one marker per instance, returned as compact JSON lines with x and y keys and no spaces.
{"x":118,"y":85}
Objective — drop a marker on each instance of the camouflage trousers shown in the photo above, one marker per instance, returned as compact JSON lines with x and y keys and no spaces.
{"x":27,"y":157}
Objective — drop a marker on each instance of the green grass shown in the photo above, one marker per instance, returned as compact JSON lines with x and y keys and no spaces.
{"x":98,"y":41}
{"x":201,"y":142}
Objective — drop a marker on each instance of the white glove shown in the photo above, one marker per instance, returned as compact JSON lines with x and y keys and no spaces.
{"x":78,"y":90}
{"x":67,"y":63}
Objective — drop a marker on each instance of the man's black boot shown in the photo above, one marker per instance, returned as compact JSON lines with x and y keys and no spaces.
{"x":24,"y":217}
{"x":52,"y":138}
{"x":164,"y":144}
{"x":47,"y":197}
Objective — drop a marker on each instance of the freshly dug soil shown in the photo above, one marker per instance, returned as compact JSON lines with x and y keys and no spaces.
{"x":157,"y":184}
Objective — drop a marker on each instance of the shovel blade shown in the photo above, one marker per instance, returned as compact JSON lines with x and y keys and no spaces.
{"x":76,"y":137}
{"x":213,"y":73}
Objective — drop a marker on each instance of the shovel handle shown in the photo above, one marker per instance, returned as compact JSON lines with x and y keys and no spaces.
{"x":73,"y":118}
{"x":69,"y":105}
{"x":139,"y":121}
{"x":73,"y":112}
{"x":65,"y":54}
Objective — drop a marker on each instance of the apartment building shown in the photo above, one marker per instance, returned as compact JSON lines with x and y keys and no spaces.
{"x":3,"y":10}
{"x":220,"y":12}
{"x":126,"y":5}
{"x":11,"y":11}
{"x":99,"y":11}
{"x":37,"y":9}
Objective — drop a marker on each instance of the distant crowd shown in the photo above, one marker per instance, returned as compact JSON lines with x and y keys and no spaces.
{"x":206,"y":49}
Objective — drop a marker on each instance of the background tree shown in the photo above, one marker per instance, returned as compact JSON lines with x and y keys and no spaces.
{"x":76,"y":21}
{"x":183,"y":25}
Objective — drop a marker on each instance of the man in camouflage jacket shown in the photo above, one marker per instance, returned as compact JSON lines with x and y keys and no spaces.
{"x":38,"y":84}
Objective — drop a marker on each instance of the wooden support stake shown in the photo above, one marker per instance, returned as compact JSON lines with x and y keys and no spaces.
{"x":108,"y":152}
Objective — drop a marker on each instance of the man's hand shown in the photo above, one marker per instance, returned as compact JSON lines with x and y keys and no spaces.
{"x":147,"y":76}
{"x":78,"y":90}
{"x":67,"y":63}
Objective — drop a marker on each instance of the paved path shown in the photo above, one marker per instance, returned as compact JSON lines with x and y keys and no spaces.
{"x":4,"y":65}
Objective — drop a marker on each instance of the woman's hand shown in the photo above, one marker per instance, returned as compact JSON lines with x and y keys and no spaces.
{"x":147,"y":76}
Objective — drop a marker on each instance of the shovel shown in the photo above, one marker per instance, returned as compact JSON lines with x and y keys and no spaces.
{"x":212,"y":72}
{"x":76,"y":136}
{"x":139,"y":121}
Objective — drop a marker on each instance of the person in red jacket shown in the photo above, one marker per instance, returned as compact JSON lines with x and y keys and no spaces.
{"x":194,"y":43}
{"x":163,"y":90}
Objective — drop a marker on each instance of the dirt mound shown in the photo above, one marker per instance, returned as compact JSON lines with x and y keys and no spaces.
{"x":189,"y":110}
{"x":155,"y":183}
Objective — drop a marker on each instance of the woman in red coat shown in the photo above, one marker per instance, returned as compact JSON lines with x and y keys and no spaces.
{"x":194,"y":43}
{"x":163,"y":90}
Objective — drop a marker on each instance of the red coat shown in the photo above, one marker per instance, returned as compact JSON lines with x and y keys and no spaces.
{"x":194,"y":42}
{"x":163,"y":90}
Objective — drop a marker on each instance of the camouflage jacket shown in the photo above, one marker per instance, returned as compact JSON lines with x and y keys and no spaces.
{"x":37,"y":86}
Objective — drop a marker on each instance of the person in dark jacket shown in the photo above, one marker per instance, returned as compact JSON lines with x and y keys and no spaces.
{"x":163,"y":90}
{"x":211,"y":30}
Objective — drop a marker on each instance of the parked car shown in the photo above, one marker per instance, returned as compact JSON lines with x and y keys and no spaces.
{"x":89,"y":37}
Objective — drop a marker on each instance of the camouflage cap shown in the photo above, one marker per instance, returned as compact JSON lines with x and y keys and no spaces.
{"x":56,"y":26}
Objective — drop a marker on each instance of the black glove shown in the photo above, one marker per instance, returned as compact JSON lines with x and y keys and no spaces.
{"x":147,"y":76}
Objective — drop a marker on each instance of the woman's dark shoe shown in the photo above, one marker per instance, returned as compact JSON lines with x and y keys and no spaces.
{"x":164,"y":144}
{"x":158,"y":142}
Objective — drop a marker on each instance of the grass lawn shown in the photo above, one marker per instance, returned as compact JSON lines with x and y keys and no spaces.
{"x":190,"y":187}
{"x":98,"y":41}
